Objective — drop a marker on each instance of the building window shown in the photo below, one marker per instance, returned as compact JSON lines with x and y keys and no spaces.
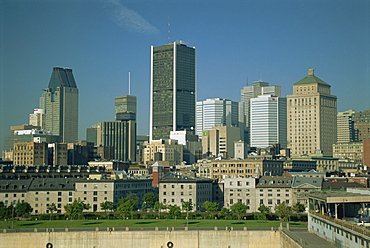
{"x":6,"y":195}
{"x":85,"y":185}
{"x":59,"y":199}
{"x":95,"y":193}
{"x":164,"y":193}
{"x":172,"y":193}
{"x":190,"y":186}
{"x":164,"y":186}
{"x":269,"y":202}
{"x":85,"y":192}
{"x":59,"y":193}
{"x":95,"y":199}
{"x":36,"y":199}
{"x":182,"y":186}
{"x":172,"y":186}
{"x":95,"y":186}
{"x":70,"y":199}
{"x":261,"y":201}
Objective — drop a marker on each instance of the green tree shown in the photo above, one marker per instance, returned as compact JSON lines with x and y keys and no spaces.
{"x":149,"y":200}
{"x":107,"y":205}
{"x":75,"y":209}
{"x":127,"y":205}
{"x":299,"y":208}
{"x":174,"y":211}
{"x":187,"y":206}
{"x":158,"y":206}
{"x":239,"y":208}
{"x":210,"y":206}
{"x":283,"y":211}
{"x":23,"y":209}
{"x":5,"y":211}
{"x":264,"y":211}
{"x":52,"y":208}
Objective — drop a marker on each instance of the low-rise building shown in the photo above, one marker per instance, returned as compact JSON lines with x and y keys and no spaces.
{"x":254,"y":167}
{"x":41,"y":192}
{"x":240,"y":190}
{"x":273,"y":190}
{"x":175,"y":189}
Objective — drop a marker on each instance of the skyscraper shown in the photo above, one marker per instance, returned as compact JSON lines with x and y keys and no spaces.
{"x":126,"y":103}
{"x":120,"y":136}
{"x":60,"y":102}
{"x":345,"y":127}
{"x":268,"y":121}
{"x":172,"y":90}
{"x":216,"y":112}
{"x":312,"y":113}
{"x":248,"y":92}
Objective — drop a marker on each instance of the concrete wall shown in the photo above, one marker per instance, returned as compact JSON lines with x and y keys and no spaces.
{"x":338,"y":234}
{"x":142,"y":239}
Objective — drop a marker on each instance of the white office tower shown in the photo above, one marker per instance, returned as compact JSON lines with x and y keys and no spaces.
{"x":247,"y":93}
{"x":216,"y":112}
{"x":268,"y":124}
{"x":37,"y":118}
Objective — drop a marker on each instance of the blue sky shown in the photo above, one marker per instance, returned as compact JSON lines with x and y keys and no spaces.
{"x":237,"y":42}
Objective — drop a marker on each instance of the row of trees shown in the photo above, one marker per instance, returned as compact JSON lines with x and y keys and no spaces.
{"x":127,"y":205}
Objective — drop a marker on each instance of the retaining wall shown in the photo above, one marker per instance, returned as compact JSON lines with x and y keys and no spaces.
{"x":143,"y":239}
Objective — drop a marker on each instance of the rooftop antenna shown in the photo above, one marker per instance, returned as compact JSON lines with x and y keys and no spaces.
{"x":169,"y":30}
{"x":247,"y":81}
{"x":129,"y":83}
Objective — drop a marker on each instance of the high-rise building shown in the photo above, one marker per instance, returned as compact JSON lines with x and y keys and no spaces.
{"x":362,"y":124}
{"x":124,"y":104}
{"x":37,"y":118}
{"x":268,"y":121}
{"x":252,"y":91}
{"x":345,"y":127}
{"x":60,"y":102}
{"x":219,"y":141}
{"x":311,"y":113}
{"x":120,"y":136}
{"x":216,"y":112}
{"x":172,"y":90}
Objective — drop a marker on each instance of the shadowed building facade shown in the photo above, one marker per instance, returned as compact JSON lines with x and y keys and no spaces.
{"x":172,"y":90}
{"x":60,"y":102}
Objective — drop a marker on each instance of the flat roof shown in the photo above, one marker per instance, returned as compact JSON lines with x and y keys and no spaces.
{"x":339,"y":197}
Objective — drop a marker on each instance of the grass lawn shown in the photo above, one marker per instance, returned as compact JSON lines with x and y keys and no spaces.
{"x":143,"y":223}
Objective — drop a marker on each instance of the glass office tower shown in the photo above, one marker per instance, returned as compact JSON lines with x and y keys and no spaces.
{"x":60,"y":102}
{"x":172,"y":105}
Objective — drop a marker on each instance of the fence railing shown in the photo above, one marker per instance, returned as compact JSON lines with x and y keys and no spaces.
{"x":295,"y":237}
{"x":346,"y":224}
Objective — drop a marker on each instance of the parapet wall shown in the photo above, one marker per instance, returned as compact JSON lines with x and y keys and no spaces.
{"x":143,"y":239}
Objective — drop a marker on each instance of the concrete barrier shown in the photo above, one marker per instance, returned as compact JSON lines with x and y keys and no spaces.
{"x":143,"y":239}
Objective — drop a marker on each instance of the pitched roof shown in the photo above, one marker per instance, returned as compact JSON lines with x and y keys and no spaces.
{"x":307,"y":182}
{"x":311,"y":78}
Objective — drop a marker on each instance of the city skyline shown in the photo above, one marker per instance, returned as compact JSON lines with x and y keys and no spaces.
{"x":103,"y":40}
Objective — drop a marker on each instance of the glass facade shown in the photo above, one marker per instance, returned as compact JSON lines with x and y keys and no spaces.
{"x":173,"y":90}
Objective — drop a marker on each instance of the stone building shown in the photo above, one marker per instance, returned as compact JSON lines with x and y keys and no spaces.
{"x":252,"y":167}
{"x":175,"y":189}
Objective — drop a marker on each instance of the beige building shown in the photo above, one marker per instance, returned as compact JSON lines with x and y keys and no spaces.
{"x":351,"y":151}
{"x":345,"y":127}
{"x":163,"y":150}
{"x":175,"y":189}
{"x":240,"y":190}
{"x":271,"y":191}
{"x":252,"y":167}
{"x":219,"y":141}
{"x":30,"y":153}
{"x":311,"y":117}
{"x":41,"y":192}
